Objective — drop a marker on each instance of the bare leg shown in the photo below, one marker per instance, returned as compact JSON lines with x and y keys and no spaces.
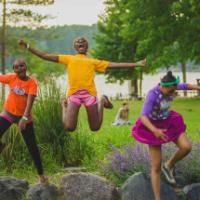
{"x":184,"y":146}
{"x":155,"y":154}
{"x":70,"y":115}
{"x":95,"y":113}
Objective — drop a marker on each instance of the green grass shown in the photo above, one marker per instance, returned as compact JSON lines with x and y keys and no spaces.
{"x":190,"y":109}
{"x":96,"y":145}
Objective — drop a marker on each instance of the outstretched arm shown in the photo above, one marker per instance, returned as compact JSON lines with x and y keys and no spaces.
{"x":193,"y":87}
{"x":126,"y":65}
{"x":41,"y":54}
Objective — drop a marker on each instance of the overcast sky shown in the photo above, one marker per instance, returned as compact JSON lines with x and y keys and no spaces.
{"x":73,"y":12}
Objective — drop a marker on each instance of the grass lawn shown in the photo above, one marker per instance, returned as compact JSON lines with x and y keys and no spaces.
{"x":189,"y":108}
{"x":108,"y":137}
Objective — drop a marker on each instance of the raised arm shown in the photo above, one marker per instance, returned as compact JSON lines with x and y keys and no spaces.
{"x":41,"y":54}
{"x":127,"y":65}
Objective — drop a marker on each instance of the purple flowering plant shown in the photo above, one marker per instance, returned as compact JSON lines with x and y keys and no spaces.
{"x":129,"y":159}
{"x":123,"y":162}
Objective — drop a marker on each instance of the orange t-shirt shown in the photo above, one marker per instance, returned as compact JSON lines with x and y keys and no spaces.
{"x":81,"y":72}
{"x":18,"y":94}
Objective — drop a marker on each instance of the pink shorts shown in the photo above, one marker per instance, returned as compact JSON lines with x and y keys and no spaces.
{"x":82,"y":96}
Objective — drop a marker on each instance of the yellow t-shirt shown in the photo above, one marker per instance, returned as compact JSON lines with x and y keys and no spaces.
{"x":81,"y":72}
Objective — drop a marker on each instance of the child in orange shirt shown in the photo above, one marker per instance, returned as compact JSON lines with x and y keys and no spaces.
{"x":17,"y":109}
{"x":81,"y":72}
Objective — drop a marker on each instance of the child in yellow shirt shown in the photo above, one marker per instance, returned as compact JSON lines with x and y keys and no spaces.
{"x":81,"y":72}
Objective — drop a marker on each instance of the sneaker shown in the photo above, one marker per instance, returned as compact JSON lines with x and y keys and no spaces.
{"x":168,"y":174}
{"x":2,"y":146}
{"x":108,"y":104}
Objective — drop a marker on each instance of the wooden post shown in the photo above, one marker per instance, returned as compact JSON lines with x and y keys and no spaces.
{"x":198,"y":83}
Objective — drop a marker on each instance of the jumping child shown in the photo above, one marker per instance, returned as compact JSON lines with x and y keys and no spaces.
{"x":158,"y":125}
{"x":17,"y":109}
{"x":81,"y":72}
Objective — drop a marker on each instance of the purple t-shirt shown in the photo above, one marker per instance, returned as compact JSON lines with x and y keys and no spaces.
{"x":156,"y":105}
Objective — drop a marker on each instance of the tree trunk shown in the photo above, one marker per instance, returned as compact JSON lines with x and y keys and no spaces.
{"x":140,"y":84}
{"x":3,"y":48}
{"x":183,"y":67}
{"x":133,"y":88}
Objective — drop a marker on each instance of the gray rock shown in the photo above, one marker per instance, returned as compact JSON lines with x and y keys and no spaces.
{"x":74,"y":169}
{"x":43,"y":192}
{"x":12,"y":188}
{"x":192,"y":191}
{"x":138,"y":187}
{"x":86,"y":186}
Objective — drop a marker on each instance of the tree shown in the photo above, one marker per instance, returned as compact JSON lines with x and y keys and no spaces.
{"x":16,"y":15}
{"x":167,"y":31}
{"x":112,"y":46}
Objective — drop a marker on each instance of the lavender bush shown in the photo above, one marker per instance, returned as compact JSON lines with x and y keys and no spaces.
{"x":121,"y":163}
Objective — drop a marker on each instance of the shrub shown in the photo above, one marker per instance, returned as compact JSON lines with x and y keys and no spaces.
{"x":121,"y":163}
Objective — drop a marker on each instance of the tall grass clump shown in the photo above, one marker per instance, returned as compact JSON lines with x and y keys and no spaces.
{"x":67,"y":148}
{"x":15,"y":153}
{"x":79,"y":146}
{"x":48,"y":120}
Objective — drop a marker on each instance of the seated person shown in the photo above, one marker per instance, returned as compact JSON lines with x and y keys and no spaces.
{"x":122,"y":115}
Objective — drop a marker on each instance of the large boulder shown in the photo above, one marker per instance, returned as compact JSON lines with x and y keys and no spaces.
{"x":192,"y":191}
{"x":12,"y":188}
{"x":43,"y":192}
{"x":138,"y":187}
{"x":86,"y":186}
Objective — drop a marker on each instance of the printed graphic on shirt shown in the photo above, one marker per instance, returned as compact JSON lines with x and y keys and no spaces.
{"x":19,"y":91}
{"x":164,"y":105}
{"x":160,"y":108}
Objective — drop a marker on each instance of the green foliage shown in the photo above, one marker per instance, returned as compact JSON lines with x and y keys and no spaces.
{"x":79,"y":146}
{"x":55,"y":40}
{"x":24,"y":16}
{"x":109,"y":39}
{"x":68,"y":149}
{"x":82,"y":147}
{"x":57,"y":147}
{"x":48,"y":121}
{"x":165,"y":32}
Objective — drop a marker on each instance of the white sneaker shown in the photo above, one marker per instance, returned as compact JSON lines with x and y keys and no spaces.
{"x":168,"y":174}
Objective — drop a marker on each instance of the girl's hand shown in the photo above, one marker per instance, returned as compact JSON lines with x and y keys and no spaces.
{"x":23,"y":44}
{"x":142,"y":62}
{"x":160,"y":133}
{"x":22,"y":124}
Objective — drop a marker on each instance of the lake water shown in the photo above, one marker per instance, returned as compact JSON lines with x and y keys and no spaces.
{"x":149,"y":81}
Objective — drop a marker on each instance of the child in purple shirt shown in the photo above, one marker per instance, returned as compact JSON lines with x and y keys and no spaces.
{"x":158,"y":125}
